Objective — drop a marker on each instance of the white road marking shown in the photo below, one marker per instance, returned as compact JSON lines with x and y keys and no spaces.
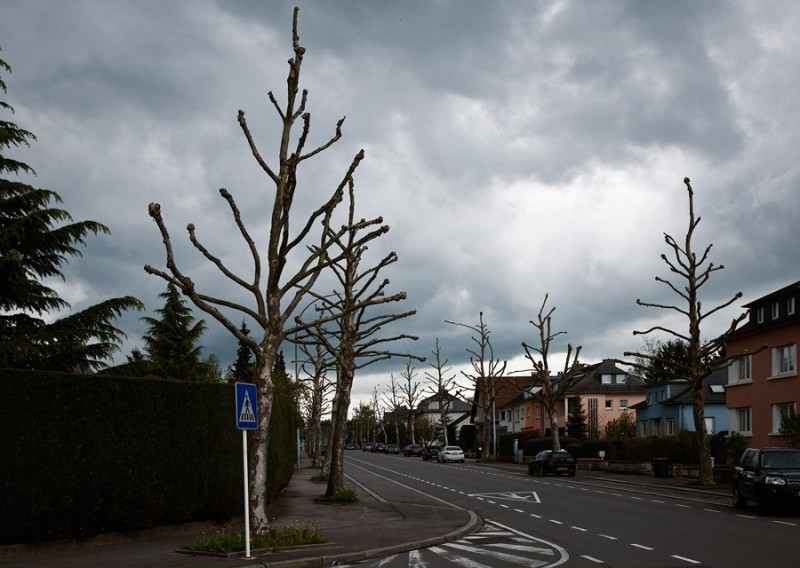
{"x":689,"y":560}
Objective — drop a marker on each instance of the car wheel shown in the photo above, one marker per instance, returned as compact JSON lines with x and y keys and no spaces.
{"x":739,"y":502}
{"x":572,"y":474}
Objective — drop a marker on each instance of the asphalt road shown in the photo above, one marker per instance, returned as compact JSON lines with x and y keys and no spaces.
{"x":578,"y":521}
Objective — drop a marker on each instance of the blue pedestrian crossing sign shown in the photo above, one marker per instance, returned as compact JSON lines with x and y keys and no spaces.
{"x":246,"y":409}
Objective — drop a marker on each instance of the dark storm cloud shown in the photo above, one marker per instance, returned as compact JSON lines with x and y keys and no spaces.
{"x":515,"y":149}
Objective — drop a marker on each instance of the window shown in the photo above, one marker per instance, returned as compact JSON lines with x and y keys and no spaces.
{"x":670,"y":427}
{"x":621,"y":379}
{"x":743,"y":420}
{"x":744,"y":368}
{"x":623,"y":404}
{"x":609,"y":404}
{"x":790,"y":307}
{"x":605,"y":379}
{"x":775,"y":310}
{"x":784,"y":360}
{"x":502,"y":415}
{"x":760,"y":314}
{"x":781,"y":412}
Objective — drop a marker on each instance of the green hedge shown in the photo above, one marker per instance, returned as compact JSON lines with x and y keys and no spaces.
{"x":283,"y":424}
{"x":84,"y":455}
{"x":680,"y":448}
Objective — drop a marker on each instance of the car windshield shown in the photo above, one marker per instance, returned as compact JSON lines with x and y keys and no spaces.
{"x":452,"y":449}
{"x":782,"y":460}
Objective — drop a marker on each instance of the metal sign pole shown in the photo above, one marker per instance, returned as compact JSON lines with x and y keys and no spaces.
{"x":246,"y":497}
{"x":246,"y":419}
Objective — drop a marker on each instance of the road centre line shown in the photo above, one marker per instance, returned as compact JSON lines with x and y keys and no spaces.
{"x":449,"y":504}
{"x":641,"y":546}
{"x":689,"y":560}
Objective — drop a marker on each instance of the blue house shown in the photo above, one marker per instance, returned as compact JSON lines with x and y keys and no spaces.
{"x":667,"y":407}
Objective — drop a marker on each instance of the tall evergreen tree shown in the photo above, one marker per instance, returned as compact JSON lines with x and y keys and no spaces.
{"x":242,"y":369}
{"x":172,"y":340}
{"x":36,"y":241}
{"x":577,"y":425}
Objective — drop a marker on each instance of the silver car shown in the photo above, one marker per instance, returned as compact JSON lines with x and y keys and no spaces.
{"x":450,"y":454}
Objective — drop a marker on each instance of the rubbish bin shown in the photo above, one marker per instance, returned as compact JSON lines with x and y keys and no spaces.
{"x":662,"y":467}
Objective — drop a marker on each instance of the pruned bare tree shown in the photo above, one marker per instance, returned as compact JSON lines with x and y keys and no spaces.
{"x":703,"y":357}
{"x":411,"y":392}
{"x":442,"y":381}
{"x":486,"y":370}
{"x":363,"y":422}
{"x":378,"y":410}
{"x":394,"y":402}
{"x":316,"y":388}
{"x":275,"y":291}
{"x":545,"y":389}
{"x":353,"y":323}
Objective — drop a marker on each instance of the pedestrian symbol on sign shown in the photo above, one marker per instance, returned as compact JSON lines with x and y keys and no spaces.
{"x":246,"y":410}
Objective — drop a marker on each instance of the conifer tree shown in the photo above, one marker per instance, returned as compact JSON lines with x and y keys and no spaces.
{"x":36,"y":240}
{"x":242,"y":369}
{"x":577,"y":425}
{"x":172,"y":340}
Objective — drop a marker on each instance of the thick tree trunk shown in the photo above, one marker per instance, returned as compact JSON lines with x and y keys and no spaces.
{"x":705,"y":472}
{"x":315,"y":430}
{"x":341,"y":405}
{"x":258,"y":452}
{"x":443,"y":420}
{"x":551,"y":415}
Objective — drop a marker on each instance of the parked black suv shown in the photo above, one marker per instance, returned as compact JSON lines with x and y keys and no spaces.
{"x":768,"y":476}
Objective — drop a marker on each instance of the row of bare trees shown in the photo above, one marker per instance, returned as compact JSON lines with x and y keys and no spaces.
{"x":688,"y":355}
{"x":304,"y":254}
{"x":300,"y":256}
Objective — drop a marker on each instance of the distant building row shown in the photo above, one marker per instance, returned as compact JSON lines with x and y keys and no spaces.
{"x":751,"y":396}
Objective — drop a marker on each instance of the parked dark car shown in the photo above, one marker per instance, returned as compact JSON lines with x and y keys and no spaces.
{"x":549,"y":461}
{"x":768,"y":476}
{"x":392,"y":449}
{"x":412,"y":450}
{"x":379,"y":447}
{"x":430,"y":453}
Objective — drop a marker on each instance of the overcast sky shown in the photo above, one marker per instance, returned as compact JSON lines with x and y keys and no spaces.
{"x":514,"y":148}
